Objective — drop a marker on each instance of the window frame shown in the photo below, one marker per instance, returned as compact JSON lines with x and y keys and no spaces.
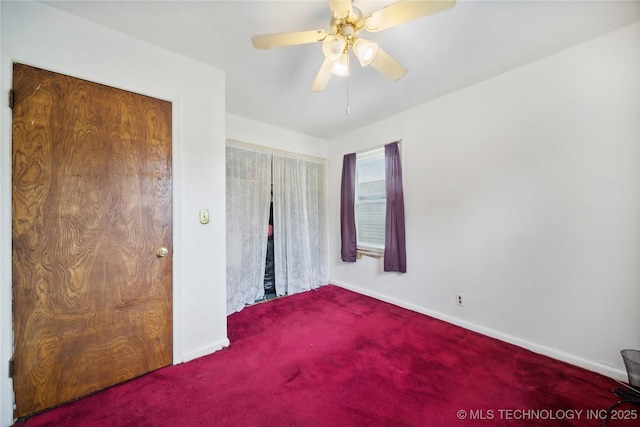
{"x":368,"y":247}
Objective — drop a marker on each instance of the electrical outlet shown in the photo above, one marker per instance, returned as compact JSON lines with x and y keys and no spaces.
{"x":459,"y":299}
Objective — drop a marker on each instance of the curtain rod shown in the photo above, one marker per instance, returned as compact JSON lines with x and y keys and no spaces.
{"x":377,"y":147}
{"x":275,"y":150}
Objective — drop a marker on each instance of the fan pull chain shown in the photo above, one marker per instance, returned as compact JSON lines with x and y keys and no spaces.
{"x":347,"y":96}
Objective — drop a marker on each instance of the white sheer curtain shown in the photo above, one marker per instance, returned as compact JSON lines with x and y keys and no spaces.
{"x":300,"y":223}
{"x":248,"y":199}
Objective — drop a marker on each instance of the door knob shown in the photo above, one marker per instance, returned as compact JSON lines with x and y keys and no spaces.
{"x":162,"y":252}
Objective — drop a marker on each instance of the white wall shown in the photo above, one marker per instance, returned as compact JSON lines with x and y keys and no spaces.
{"x":38,"y":35}
{"x":252,"y":132}
{"x":522,"y":192}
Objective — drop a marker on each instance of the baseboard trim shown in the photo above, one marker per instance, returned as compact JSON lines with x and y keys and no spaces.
{"x":206,"y":350}
{"x":590,"y":365}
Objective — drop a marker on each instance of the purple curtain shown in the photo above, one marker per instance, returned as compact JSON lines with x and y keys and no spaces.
{"x":395,"y":252}
{"x":347,"y":211}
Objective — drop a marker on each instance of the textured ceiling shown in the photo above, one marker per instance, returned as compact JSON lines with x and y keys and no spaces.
{"x":445,"y":52}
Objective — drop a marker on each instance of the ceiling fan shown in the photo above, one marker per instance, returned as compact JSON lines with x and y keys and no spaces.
{"x":346,"y":23}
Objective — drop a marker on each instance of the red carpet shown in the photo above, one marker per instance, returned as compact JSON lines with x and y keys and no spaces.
{"x":332,"y":357}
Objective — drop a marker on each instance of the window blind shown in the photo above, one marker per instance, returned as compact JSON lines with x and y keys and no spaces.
{"x":371,"y":199}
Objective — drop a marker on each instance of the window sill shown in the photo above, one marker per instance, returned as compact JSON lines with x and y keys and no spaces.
{"x":377,"y":254}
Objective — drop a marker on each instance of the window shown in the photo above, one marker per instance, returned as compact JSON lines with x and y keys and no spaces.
{"x":370,"y":200}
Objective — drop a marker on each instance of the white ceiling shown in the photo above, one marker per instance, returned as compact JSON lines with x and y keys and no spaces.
{"x":471,"y":42}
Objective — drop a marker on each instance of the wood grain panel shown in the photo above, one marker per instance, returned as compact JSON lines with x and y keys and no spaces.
{"x":91,"y":204}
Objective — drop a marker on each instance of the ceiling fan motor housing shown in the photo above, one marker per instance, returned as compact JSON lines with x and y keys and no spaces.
{"x":349,"y":26}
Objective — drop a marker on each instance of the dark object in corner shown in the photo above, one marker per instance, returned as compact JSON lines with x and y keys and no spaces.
{"x":269,"y":271}
{"x":631,"y":394}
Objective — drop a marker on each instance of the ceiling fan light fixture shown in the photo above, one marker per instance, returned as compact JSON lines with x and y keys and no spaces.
{"x":333,"y":46}
{"x":365,"y":50}
{"x":346,"y":22}
{"x":341,"y":66}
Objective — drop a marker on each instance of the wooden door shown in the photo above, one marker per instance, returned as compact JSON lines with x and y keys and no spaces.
{"x":91,"y":206}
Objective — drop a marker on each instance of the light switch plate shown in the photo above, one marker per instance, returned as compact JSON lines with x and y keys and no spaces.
{"x":204,"y":216}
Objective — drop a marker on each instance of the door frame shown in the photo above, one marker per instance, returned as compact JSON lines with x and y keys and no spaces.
{"x":6,"y":209}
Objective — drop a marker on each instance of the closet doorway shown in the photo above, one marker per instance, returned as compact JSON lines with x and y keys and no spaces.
{"x":289,"y":189}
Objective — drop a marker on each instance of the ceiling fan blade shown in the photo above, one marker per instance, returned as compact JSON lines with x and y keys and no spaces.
{"x":387,"y":66}
{"x":268,"y":41}
{"x":322,"y":78}
{"x":340,"y":8}
{"x":404,"y":11}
